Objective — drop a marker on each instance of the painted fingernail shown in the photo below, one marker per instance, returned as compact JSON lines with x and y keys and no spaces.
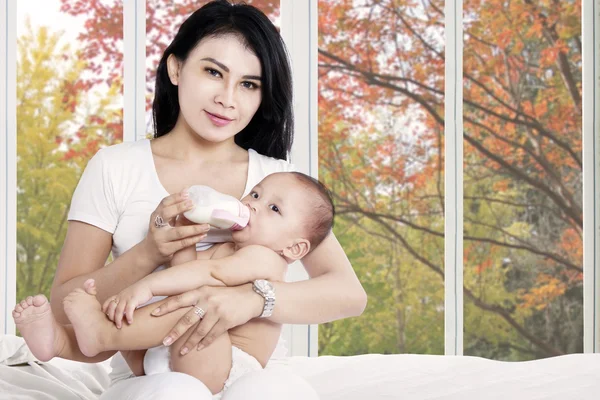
{"x":168,"y":340}
{"x":184,"y":351}
{"x":155,"y":312}
{"x":185,"y":194}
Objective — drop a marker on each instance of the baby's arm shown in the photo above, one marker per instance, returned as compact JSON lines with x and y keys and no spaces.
{"x":227,"y":271}
{"x":234,"y":270}
{"x":184,"y":255}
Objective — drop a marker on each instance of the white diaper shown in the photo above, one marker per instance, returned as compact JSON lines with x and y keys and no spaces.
{"x":157,"y":360}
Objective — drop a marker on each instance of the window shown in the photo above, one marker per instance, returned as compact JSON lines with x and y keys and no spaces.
{"x":69,"y":103}
{"x":460,"y":141}
{"x":381,"y":112}
{"x":523,"y":215}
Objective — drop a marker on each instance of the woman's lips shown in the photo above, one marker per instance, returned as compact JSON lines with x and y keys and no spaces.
{"x":217,"y":119}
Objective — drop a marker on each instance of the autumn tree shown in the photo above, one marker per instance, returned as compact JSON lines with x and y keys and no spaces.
{"x":381,"y":120}
{"x":382,"y":71}
{"x":104,"y":34}
{"x":59,"y":127}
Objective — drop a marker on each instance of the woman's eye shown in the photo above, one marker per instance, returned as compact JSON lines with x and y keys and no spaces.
{"x":254,"y":195}
{"x":213,"y":72}
{"x":250,"y":85}
{"x":274,"y":208}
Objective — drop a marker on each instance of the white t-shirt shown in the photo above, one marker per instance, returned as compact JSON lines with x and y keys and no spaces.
{"x":119,"y":189}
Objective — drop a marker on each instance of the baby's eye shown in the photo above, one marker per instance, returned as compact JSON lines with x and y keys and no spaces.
{"x":274,"y":208}
{"x":213,"y":72}
{"x":254,"y":195}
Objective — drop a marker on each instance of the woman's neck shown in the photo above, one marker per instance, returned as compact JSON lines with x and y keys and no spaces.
{"x":184,"y":145}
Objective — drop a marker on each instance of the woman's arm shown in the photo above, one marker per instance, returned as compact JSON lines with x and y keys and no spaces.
{"x":83,"y":256}
{"x":86,"y":249}
{"x":333,"y":291}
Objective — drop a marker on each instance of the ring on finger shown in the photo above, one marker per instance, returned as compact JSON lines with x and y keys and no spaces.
{"x":199,"y":312}
{"x":159,"y":222}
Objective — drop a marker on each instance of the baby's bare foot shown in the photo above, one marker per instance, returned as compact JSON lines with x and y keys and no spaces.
{"x":40,"y":330}
{"x":85,"y":313}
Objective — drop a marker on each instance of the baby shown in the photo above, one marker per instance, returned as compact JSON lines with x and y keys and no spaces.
{"x":290,"y":214}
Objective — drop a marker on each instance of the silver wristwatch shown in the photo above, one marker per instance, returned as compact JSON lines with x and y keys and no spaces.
{"x":267,"y":291}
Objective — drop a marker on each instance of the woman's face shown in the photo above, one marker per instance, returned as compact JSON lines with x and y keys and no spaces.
{"x":219,"y":87}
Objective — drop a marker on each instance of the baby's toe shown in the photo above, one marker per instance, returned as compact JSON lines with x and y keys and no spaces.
{"x":39,"y":300}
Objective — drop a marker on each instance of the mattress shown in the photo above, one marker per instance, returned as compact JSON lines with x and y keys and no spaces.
{"x":372,"y":376}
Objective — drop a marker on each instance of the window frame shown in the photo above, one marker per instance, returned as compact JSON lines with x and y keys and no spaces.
{"x":299,"y":24}
{"x":590,"y":22}
{"x":8,"y":165}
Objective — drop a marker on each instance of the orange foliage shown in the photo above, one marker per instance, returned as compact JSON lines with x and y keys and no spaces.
{"x":548,"y":288}
{"x":384,"y":59}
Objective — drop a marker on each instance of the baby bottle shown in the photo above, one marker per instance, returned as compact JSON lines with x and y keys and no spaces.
{"x":217,"y":209}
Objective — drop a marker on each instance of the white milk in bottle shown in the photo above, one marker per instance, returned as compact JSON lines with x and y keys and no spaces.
{"x":217,"y":209}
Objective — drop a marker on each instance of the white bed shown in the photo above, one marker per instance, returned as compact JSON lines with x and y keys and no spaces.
{"x":340,"y":378}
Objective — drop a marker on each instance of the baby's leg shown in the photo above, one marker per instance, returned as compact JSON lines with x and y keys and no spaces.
{"x":96,"y":333}
{"x":211,"y":364}
{"x":135,"y":360}
{"x":45,"y":337}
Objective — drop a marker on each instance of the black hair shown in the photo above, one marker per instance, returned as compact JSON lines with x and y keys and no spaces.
{"x":321,"y":221}
{"x":271,"y":130}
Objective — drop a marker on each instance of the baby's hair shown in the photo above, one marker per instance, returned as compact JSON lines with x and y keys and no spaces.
{"x":320,"y":222}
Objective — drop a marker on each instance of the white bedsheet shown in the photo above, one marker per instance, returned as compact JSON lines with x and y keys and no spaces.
{"x":341,"y":378}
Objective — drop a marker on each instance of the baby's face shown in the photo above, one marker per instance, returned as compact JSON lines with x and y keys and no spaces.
{"x":278,"y":212}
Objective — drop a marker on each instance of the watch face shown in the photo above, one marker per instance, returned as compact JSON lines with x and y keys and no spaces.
{"x":264,"y":286}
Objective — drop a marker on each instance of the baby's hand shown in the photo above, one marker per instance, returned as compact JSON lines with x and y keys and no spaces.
{"x":126,"y":302}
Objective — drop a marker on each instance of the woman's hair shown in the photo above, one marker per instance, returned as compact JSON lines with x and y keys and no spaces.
{"x":270,"y":132}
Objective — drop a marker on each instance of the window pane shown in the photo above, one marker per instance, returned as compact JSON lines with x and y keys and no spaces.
{"x":381,"y":111}
{"x":522,"y":179}
{"x":69,"y":104}
{"x":163,"y":18}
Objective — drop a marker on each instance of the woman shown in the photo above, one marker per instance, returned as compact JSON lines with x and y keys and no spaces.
{"x":222,"y":118}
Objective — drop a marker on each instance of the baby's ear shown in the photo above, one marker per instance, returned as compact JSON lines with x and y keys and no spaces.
{"x":297,"y":250}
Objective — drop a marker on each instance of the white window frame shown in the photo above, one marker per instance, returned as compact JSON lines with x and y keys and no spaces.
{"x":590,"y":23}
{"x":134,"y":70}
{"x":453,"y":181}
{"x":8,"y":163}
{"x":299,"y":30}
